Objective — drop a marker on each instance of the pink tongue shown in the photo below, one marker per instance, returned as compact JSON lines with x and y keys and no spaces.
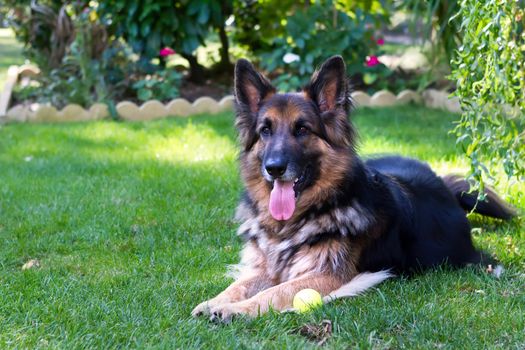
{"x":282,"y":200}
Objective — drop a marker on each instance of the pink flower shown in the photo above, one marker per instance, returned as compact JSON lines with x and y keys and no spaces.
{"x":380,"y":41}
{"x":165,"y":52}
{"x":372,"y":61}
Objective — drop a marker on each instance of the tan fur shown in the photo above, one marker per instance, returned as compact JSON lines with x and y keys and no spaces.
{"x":333,"y":169}
{"x":286,"y":115}
{"x":251,"y":279}
{"x":328,"y":101}
{"x":279,"y":297}
{"x":254,"y":97}
{"x":332,"y":258}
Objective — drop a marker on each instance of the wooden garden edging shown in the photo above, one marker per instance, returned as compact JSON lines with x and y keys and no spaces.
{"x":180,"y":107}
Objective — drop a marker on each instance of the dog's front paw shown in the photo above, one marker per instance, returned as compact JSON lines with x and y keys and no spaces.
{"x":203,"y":309}
{"x":226,"y":312}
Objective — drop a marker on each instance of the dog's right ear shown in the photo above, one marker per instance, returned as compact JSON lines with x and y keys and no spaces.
{"x":251,"y":88}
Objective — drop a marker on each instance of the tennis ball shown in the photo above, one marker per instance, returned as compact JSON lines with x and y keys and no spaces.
{"x":307,"y":299}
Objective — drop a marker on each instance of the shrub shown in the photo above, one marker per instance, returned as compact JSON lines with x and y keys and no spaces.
{"x":70,"y":43}
{"x":45,"y":29}
{"x":316,"y":32}
{"x":149,"y":26}
{"x":81,"y":61}
{"x":161,"y":86}
{"x":490,"y":74}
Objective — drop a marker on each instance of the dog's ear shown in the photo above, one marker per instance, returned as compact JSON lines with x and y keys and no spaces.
{"x":328,"y":87}
{"x":329,"y":90}
{"x":251,"y":88}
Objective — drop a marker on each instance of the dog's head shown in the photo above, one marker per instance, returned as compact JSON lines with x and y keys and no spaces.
{"x":296,"y":146}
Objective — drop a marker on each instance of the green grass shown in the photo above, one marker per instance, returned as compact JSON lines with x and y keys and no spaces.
{"x":132,"y":225}
{"x":10,"y":53}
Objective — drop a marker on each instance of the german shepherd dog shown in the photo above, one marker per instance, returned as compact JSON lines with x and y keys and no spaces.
{"x":314,"y":215}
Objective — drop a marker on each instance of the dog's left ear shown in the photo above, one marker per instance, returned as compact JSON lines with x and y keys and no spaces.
{"x":328,"y":87}
{"x":329,"y":90}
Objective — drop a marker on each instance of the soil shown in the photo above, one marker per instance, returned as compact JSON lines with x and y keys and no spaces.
{"x":217,"y":85}
{"x":192,"y":91}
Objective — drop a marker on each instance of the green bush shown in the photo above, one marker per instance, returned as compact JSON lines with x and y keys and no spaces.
{"x":80,"y":61}
{"x":316,"y":32}
{"x":148,"y":26}
{"x":161,"y":86}
{"x":490,"y":74}
{"x":45,"y":29}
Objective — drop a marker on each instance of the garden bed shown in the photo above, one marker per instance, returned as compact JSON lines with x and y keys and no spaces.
{"x":153,"y":109}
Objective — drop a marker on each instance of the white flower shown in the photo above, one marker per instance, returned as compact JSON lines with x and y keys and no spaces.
{"x":291,"y":57}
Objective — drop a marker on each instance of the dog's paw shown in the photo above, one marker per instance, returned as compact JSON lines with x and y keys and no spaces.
{"x":203,"y":309}
{"x":226,"y":312}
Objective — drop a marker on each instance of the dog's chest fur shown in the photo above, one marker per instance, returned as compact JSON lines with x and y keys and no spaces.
{"x":318,"y":243}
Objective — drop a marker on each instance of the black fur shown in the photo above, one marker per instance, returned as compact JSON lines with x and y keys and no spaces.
{"x":425,"y":224}
{"x":400,"y":214}
{"x":492,"y":206}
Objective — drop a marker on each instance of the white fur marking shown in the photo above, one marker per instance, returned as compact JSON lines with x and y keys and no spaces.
{"x":498,"y":271}
{"x":358,"y":285}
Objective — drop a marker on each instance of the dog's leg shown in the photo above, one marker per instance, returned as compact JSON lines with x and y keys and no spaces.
{"x":279,"y":297}
{"x":252,"y":278}
{"x":242,"y":289}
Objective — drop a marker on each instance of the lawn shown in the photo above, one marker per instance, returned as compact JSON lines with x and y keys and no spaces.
{"x":131,"y":223}
{"x":10,"y":53}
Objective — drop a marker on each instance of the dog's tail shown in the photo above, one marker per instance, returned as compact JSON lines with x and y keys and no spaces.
{"x":358,"y":285}
{"x":492,"y":206}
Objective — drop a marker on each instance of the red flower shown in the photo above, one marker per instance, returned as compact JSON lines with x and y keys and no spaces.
{"x":165,"y":52}
{"x":372,"y":61}
{"x":380,"y":41}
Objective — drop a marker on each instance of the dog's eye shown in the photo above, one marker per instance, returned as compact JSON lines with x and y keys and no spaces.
{"x":301,"y":130}
{"x":266,"y":131}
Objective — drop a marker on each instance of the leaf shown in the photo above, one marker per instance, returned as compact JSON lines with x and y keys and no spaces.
{"x":194,"y":7}
{"x":145,"y":29}
{"x":144,"y":94}
{"x":134,"y":29}
{"x":204,"y":14}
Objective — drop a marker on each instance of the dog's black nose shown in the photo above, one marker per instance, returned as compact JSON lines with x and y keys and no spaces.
{"x":276,"y":166}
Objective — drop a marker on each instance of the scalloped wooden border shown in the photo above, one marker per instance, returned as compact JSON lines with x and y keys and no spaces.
{"x":154,"y":109}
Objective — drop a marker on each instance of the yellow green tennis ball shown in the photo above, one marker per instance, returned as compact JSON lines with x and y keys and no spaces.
{"x":307,"y":299}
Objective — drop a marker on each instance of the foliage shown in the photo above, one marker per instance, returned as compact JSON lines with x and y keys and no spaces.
{"x":45,"y":29}
{"x":316,"y":32}
{"x":148,"y":26}
{"x":88,"y":67}
{"x":257,"y":23}
{"x":439,"y":25}
{"x":91,"y":65}
{"x":162,"y":86}
{"x":490,"y":74}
